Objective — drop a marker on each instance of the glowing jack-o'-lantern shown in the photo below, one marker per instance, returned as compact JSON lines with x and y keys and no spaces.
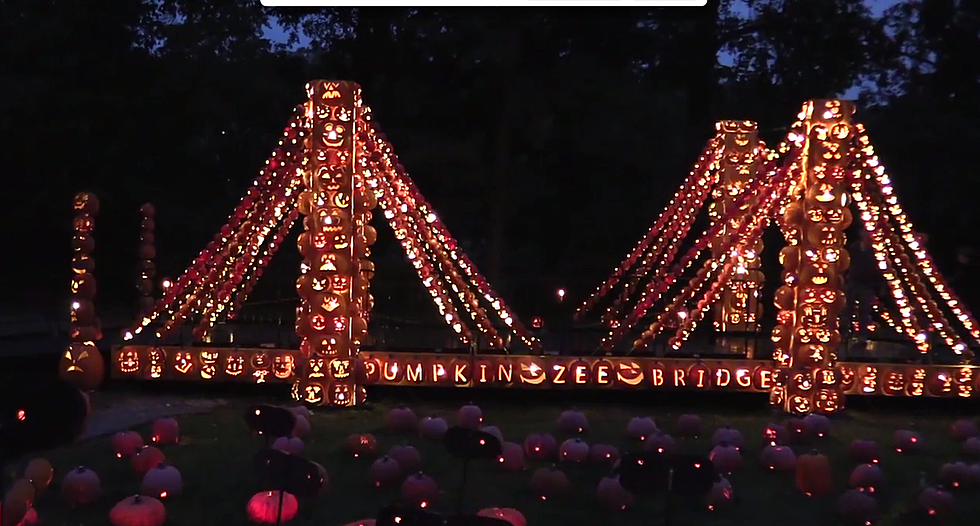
{"x":817,"y":273}
{"x":340,"y":368}
{"x":260,"y":360}
{"x":156,"y":362}
{"x":329,"y":178}
{"x":825,"y":235}
{"x":84,"y":224}
{"x":183,"y":362}
{"x":85,"y":203}
{"x":82,"y":366}
{"x":799,"y":404}
{"x":532,"y":373}
{"x":315,"y":367}
{"x":128,"y":361}
{"x":346,"y":395}
{"x":813,"y":315}
{"x":894,"y":383}
{"x":234,"y":364}
{"x":283,"y":366}
{"x":312,"y":393}
{"x":334,"y":134}
{"x":341,"y":241}
{"x":827,"y":401}
{"x":209,"y":364}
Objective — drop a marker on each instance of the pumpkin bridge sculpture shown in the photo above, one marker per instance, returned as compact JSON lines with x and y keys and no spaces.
{"x":334,"y":167}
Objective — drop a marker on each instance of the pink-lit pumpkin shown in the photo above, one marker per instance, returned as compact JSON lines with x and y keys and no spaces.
{"x":603,"y":454}
{"x":573,"y":422}
{"x":729,"y":435}
{"x":549,"y":483}
{"x":907,"y":441}
{"x":385,"y":471}
{"x":540,"y":446}
{"x":937,"y":502}
{"x":867,"y":478}
{"x":40,"y":473}
{"x":954,"y":475}
{"x":779,"y":458}
{"x":263,"y":507}
{"x":864,"y":451}
{"x":469,"y":416}
{"x":419,"y":490}
{"x":408,"y":458}
{"x":660,"y":442}
{"x":970,"y":448}
{"x":725,"y":458}
{"x":302,"y":427}
{"x":362,"y":522}
{"x":162,"y":482}
{"x":776,"y":435}
{"x":81,"y":486}
{"x":640,"y":427}
{"x":721,"y":495}
{"x":511,"y":457}
{"x":514,"y":517}
{"x":138,"y":511}
{"x":574,"y":450}
{"x":433,"y":428}
{"x":146,"y":459}
{"x":29,"y":518}
{"x":611,"y":494}
{"x":799,"y":430}
{"x":819,"y":424}
{"x":963,"y":429}
{"x":165,"y":431}
{"x":493,"y":430}
{"x":126,"y":444}
{"x":301,"y":410}
{"x":292,"y":445}
{"x":856,"y":507}
{"x":689,"y":426}
{"x":401,"y":419}
{"x":18,"y":502}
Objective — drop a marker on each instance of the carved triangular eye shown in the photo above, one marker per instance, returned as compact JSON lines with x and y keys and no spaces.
{"x":68,"y":354}
{"x":84,"y":354}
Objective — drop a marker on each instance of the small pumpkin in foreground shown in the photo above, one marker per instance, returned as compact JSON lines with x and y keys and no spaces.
{"x":857,"y":508}
{"x":148,"y":458}
{"x":138,"y":511}
{"x":813,"y":474}
{"x":385,"y":471}
{"x":40,"y":473}
{"x":867,"y":478}
{"x":689,"y":426}
{"x":419,"y":490}
{"x":81,"y":486}
{"x":408,"y":457}
{"x":937,"y":502}
{"x":573,"y":422}
{"x":126,"y":443}
{"x":165,"y":431}
{"x":549,"y":483}
{"x":29,"y":518}
{"x":721,"y":495}
{"x":263,"y":507}
{"x":611,"y":494}
{"x":17,"y":502}
{"x":514,"y":517}
{"x":162,"y":482}
{"x":433,"y":428}
{"x":511,"y":457}
{"x":469,"y":416}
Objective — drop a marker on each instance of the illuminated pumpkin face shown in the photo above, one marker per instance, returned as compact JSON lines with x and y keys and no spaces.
{"x":329,"y":178}
{"x":129,"y":361}
{"x":209,"y":364}
{"x":827,"y":401}
{"x":813,"y":315}
{"x":341,"y":241}
{"x":825,"y":235}
{"x":817,"y":273}
{"x":340,"y":284}
{"x":157,"y":359}
{"x":260,"y":360}
{"x":629,"y":373}
{"x":318,"y":322}
{"x":532,"y":372}
{"x":341,"y":394}
{"x":283,"y":366}
{"x":316,"y":366}
{"x":84,"y":224}
{"x":338,"y":199}
{"x":799,"y":404}
{"x":234,"y":364}
{"x":340,"y":368}
{"x":802,"y":382}
{"x":320,"y":240}
{"x":334,"y":134}
{"x":312,"y":393}
{"x":894,"y":383}
{"x":183,"y":362}
{"x":331,"y":302}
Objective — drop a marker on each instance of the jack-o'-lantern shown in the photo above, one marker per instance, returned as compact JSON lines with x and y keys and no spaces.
{"x":941,"y":383}
{"x":316,"y":368}
{"x":334,"y":134}
{"x":340,"y":368}
{"x":138,"y":509}
{"x":531,"y":371}
{"x":260,"y":360}
{"x":340,"y":241}
{"x":234,"y":364}
{"x":82,"y":264}
{"x":83,"y":286}
{"x":82,"y":312}
{"x":156,"y":359}
{"x":183,"y":362}
{"x":283,"y":366}
{"x":311,"y":392}
{"x":209,"y":364}
{"x":128,"y":361}
{"x":785,"y":298}
{"x":818,"y":273}
{"x":799,"y":404}
{"x":85,"y":203}
{"x":827,"y":401}
{"x":813,"y":315}
{"x":825,"y":235}
{"x":84,"y":224}
{"x":893,"y":383}
{"x":916,"y":383}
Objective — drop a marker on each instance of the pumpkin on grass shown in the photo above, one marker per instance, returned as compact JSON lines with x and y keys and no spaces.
{"x":725,"y":457}
{"x":138,"y":511}
{"x":419,"y":490}
{"x":263,"y":507}
{"x":302,"y":426}
{"x":469,"y":416}
{"x":17,"y":502}
{"x":954,"y":474}
{"x":603,"y":454}
{"x":549,"y":483}
{"x":165,"y":431}
{"x":126,"y":443}
{"x":689,"y":426}
{"x":573,"y":422}
{"x":611,"y":494}
{"x":29,"y":519}
{"x":721,"y":495}
{"x":857,"y":508}
{"x":514,"y":517}
{"x":433,"y":428}
{"x":40,"y":473}
{"x":511,"y":457}
{"x":640,"y":427}
{"x":540,"y":446}
{"x":81,"y":486}
{"x":408,"y":457}
{"x":163,"y":481}
{"x":937,"y":502}
{"x":574,"y":450}
{"x":493,"y":430}
{"x":401,"y":419}
{"x":148,"y":458}
{"x":293,"y":445}
{"x":866,"y":478}
{"x":385,"y":471}
{"x":813,"y":475}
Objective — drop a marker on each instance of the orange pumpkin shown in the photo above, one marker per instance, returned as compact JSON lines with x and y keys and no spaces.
{"x":40,"y":473}
{"x":813,"y":474}
{"x":17,"y":502}
{"x":510,"y":515}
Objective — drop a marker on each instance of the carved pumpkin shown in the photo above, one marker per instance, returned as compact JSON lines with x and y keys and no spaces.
{"x":162,"y":482}
{"x":81,"y":486}
{"x":549,"y":483}
{"x":511,"y":457}
{"x":725,"y":457}
{"x":660,"y":442}
{"x":40,"y":473}
{"x":263,"y":507}
{"x":469,"y":416}
{"x":514,"y":517}
{"x":963,"y":429}
{"x":165,"y":431}
{"x":573,"y":422}
{"x":721,"y":495}
{"x":954,"y":475}
{"x":864,"y":451}
{"x":813,"y":475}
{"x":362,"y":444}
{"x":907,"y":441}
{"x":857,"y":508}
{"x":433,"y":428}
{"x":407,"y":457}
{"x":385,"y":471}
{"x":126,"y":443}
{"x":574,"y":450}
{"x":146,"y":459}
{"x":540,"y":446}
{"x":689,"y":426}
{"x":778,"y":458}
{"x":937,"y":502}
{"x":639,"y":428}
{"x":419,"y":490}
{"x":138,"y":511}
{"x":729,"y":435}
{"x":611,"y":494}
{"x":401,"y":419}
{"x":603,"y":454}
{"x":292,"y":445}
{"x":867,"y":478}
{"x":82,"y":366}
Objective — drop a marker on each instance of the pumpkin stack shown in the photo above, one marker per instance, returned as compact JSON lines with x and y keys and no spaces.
{"x":82,"y":365}
{"x":147,"y":254}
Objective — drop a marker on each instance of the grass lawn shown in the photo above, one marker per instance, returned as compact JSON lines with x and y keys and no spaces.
{"x":215,"y":458}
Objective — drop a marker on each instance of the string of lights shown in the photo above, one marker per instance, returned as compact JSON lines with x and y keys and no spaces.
{"x":241,"y":295}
